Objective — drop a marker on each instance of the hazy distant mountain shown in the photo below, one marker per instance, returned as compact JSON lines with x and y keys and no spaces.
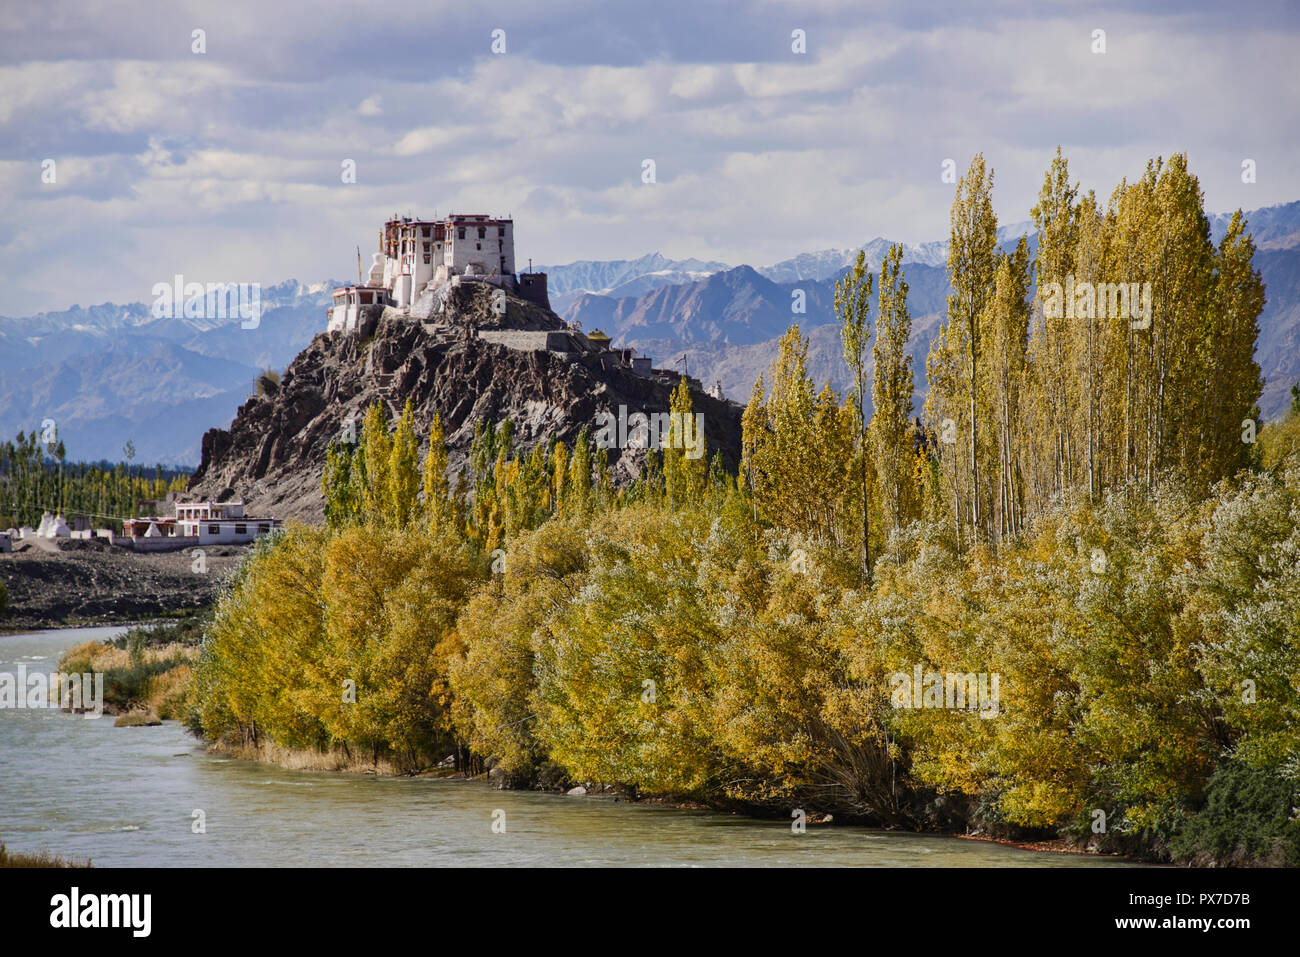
{"x":1278,"y":348}
{"x":155,"y":398}
{"x":735,"y":307}
{"x":109,"y":373}
{"x":1273,"y":227}
{"x":727,"y":324}
{"x":831,"y":263}
{"x":620,"y":277}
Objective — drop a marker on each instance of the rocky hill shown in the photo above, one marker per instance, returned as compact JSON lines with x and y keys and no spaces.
{"x":273,"y":453}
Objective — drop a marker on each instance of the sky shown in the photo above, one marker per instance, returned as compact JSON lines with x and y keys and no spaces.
{"x":228,"y":165}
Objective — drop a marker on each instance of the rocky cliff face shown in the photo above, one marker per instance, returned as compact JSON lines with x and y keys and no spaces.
{"x":273,"y":454}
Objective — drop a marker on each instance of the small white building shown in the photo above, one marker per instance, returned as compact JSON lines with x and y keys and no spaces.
{"x":221,"y":523}
{"x":345,"y":314}
{"x":198,"y":523}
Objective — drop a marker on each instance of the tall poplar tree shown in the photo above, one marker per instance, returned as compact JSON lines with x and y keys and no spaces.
{"x":853,"y":305}
{"x":1056,"y":218}
{"x":972,"y":245}
{"x":375,"y":451}
{"x":891,"y":391}
{"x":403,"y":487}
{"x":438,"y":506}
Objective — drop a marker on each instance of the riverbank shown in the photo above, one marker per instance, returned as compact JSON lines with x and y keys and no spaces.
{"x":147,"y":672}
{"x":344,"y":762}
{"x":89,"y":582}
{"x":289,"y":759}
{"x":128,"y":797}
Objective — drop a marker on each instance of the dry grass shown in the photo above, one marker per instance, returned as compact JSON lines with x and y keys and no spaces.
{"x":165,"y":693}
{"x":137,"y":719}
{"x":38,"y":859}
{"x":150,"y":678}
{"x":308,"y":760}
{"x":98,"y":656}
{"x":94,"y":656}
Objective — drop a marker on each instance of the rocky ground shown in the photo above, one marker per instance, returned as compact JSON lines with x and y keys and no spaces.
{"x":91,"y":582}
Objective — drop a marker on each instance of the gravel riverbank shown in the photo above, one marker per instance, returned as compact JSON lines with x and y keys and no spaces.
{"x":89,"y":582}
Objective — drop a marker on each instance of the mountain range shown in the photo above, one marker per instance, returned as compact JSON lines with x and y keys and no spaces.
{"x":109,"y":374}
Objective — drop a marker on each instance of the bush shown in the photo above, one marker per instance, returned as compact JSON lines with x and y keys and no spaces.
{"x":268,"y":383}
{"x":188,"y":631}
{"x":136,"y":672}
{"x":1248,"y":817}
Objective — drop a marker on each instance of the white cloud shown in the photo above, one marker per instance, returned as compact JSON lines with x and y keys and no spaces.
{"x":427,"y":139}
{"x":152,"y":96}
{"x":229,"y":164}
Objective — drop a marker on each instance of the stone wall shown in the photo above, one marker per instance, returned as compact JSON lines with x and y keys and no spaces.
{"x":535,"y":341}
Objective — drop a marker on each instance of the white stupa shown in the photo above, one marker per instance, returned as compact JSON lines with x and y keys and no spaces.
{"x":54,"y":526}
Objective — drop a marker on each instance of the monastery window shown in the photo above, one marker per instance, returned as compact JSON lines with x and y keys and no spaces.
{"x":478,"y":245}
{"x":241,"y":529}
{"x":426,"y":232}
{"x":460,"y":232}
{"x":482,"y":232}
{"x":214,"y":529}
{"x":501,"y":230}
{"x":426,"y":259}
{"x":264,"y":528}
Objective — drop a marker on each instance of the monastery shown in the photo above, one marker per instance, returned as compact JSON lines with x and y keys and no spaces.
{"x":419,"y":260}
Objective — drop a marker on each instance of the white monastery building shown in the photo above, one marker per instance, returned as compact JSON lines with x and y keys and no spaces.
{"x":418,"y":257}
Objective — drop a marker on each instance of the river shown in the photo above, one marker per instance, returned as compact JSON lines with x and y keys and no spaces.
{"x":126,"y":797}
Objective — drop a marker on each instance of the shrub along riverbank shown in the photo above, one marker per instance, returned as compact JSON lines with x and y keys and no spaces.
{"x":146,"y":670}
